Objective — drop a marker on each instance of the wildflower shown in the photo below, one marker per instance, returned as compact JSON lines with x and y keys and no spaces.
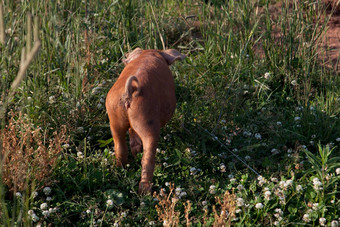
{"x":239,"y":202}
{"x":306,"y":218}
{"x":258,"y":136}
{"x":247,"y":158}
{"x":51,"y":99}
{"x":99,"y":106}
{"x":222,"y":168}
{"x":237,"y":211}
{"x":299,"y":188}
{"x":259,"y":206}
{"x":43,"y":206}
{"x":123,"y":214}
{"x":80,"y":129}
{"x":322,"y":221}
{"x":88,"y":211}
{"x":297,"y":118}
{"x":18,"y":194}
{"x":279,"y":123}
{"x":30,"y":212}
{"x":246,"y":133}
{"x":235,"y":150}
{"x":267,"y":195}
{"x":80,"y":155}
{"x":337,"y":171}
{"x":116,"y":224}
{"x":315,"y":206}
{"x":109,"y":203}
{"x":334,"y":223}
{"x":47,"y":190}
{"x":165,"y":164}
{"x":46,"y":213}
{"x":167,"y":184}
{"x":183,"y":194}
{"x":48,"y":198}
{"x":279,"y":211}
{"x":317,"y":184}
{"x":267,"y":75}
{"x":212,"y":189}
{"x":294,"y":83}
{"x":274,"y":179}
{"x":275,"y":151}
{"x":261,"y":180}
{"x":178,"y":191}
{"x":338,"y":139}
{"x":193,"y":171}
{"x":240,"y":187}
{"x":232,"y":180}
{"x":35,"y":218}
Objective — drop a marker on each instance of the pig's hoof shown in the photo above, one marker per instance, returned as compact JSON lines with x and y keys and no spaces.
{"x":144,"y":188}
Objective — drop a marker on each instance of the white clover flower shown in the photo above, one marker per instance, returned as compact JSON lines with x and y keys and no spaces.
{"x":275,"y":151}
{"x":194,"y":171}
{"x":317,"y":184}
{"x":297,"y":118}
{"x":116,"y":224}
{"x":48,"y":198}
{"x":235,"y":150}
{"x":299,"y":188}
{"x":35,"y":218}
{"x":18,"y":194}
{"x":247,"y":158}
{"x":80,"y":155}
{"x":306,"y":218}
{"x":294,"y":83}
{"x":167,"y":184}
{"x":261,"y":180}
{"x":322,"y":221}
{"x":165,"y":164}
{"x":258,"y":136}
{"x":65,"y":146}
{"x":240,"y":187}
{"x":334,"y":223}
{"x":274,"y":179}
{"x":279,"y":123}
{"x":315,"y":206}
{"x":43,"y":206}
{"x":223,"y":168}
{"x":267,"y":75}
{"x":183,"y":194}
{"x":51,"y":99}
{"x":123,"y":214}
{"x":99,"y":106}
{"x":338,"y":139}
{"x":204,"y":203}
{"x":212,"y":189}
{"x":232,"y":180}
{"x":267,"y":195}
{"x":46,"y":213}
{"x":237,"y":211}
{"x":30,"y":212}
{"x":259,"y":206}
{"x":178,"y":191}
{"x":88,"y":211}
{"x":109,"y":202}
{"x":152,"y":223}
{"x":279,"y":211}
{"x":337,"y":171}
{"x":47,"y":190}
{"x":240,"y":202}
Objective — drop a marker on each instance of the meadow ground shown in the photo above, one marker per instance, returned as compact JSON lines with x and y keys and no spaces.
{"x":254,"y":140}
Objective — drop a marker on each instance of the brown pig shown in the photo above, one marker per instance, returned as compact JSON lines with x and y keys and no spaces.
{"x":142,"y":101}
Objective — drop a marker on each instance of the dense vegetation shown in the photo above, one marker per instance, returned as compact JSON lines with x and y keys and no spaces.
{"x":254,"y":139}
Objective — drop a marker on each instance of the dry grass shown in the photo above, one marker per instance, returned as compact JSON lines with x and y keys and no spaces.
{"x":228,"y":207}
{"x":28,"y":154}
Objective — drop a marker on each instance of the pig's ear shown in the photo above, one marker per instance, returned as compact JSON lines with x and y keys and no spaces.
{"x":132,"y":55}
{"x":171,"y":55}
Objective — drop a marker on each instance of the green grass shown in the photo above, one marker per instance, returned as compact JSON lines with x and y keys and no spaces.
{"x":251,"y":80}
